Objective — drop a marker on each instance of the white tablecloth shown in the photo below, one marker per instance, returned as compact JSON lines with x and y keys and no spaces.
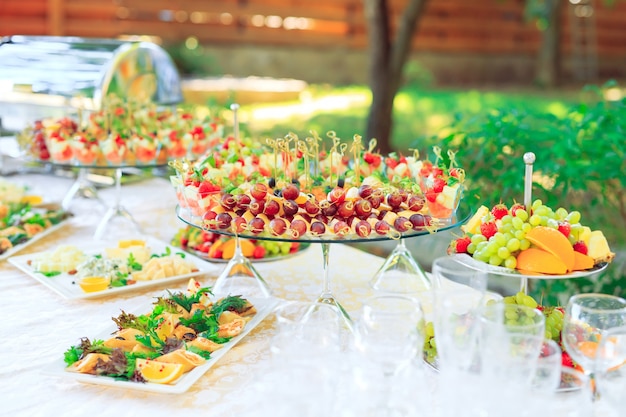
{"x":39,"y":325}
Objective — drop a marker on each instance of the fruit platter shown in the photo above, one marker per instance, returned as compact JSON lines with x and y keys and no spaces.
{"x":543,"y":243}
{"x":167,"y":346}
{"x":24,"y":219}
{"x":110,"y":267}
{"x":292,"y":191}
{"x":123,"y":133}
{"x":219,"y":248}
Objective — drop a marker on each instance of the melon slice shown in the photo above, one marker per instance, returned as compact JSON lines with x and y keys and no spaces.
{"x":582,"y":261}
{"x":539,"y":260}
{"x":554,"y":242}
{"x":473,"y":225}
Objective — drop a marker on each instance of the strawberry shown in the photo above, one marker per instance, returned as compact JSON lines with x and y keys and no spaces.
{"x":488,"y":229}
{"x":566,"y":360}
{"x":438,"y":185}
{"x":565,"y":228}
{"x":259,"y":252}
{"x":431,"y":196}
{"x":454,"y":172}
{"x":391,"y":163}
{"x":460,"y":245}
{"x":499,"y":211}
{"x":581,"y":247}
{"x":372,"y":159}
{"x":515,"y":207}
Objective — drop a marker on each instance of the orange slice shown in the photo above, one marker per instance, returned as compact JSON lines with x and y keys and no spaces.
{"x":228,"y":248}
{"x":582,"y":261}
{"x":553,"y":241}
{"x":538,"y":260}
{"x":159,"y":372}
{"x":93,"y":284}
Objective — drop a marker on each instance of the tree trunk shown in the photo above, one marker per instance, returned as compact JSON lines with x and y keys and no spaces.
{"x":387,"y":61}
{"x":548,"y":58}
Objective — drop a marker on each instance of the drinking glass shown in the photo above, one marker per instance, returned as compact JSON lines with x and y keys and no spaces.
{"x":610,"y":367}
{"x":547,"y":377}
{"x":389,"y":334}
{"x":447,"y":273}
{"x":587,"y":318}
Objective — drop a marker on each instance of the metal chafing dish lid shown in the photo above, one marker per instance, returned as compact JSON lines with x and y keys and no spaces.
{"x":88,"y":68}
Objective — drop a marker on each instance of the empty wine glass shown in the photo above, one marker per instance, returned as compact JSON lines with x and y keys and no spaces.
{"x":610,"y":370}
{"x":587,"y":318}
{"x":389,"y":334}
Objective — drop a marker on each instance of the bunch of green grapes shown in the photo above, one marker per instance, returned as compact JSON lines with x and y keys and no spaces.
{"x":430,"y":347}
{"x":275,"y":248}
{"x":502,"y":247}
{"x":553,"y":315}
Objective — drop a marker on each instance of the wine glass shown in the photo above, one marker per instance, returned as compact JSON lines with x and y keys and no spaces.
{"x":389,"y":334}
{"x":400,"y":273}
{"x":610,"y":369}
{"x":587,"y":318}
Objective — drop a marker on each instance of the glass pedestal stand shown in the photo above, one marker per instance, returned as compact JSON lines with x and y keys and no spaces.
{"x":239,"y":277}
{"x":326,"y":296}
{"x":400,"y":273}
{"x":82,"y":187}
{"x":117,"y":210}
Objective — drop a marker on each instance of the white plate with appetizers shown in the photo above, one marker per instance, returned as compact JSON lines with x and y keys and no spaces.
{"x":67,"y":284}
{"x":21,"y":246}
{"x":264,"y":307}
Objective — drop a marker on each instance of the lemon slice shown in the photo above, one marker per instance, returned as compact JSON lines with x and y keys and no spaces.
{"x":159,"y":372}
{"x":33,"y":200}
{"x":93,"y":284}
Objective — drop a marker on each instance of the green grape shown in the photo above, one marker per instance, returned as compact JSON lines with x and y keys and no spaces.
{"x":526,"y":227}
{"x":506,"y":228}
{"x":573,"y":217}
{"x":553,"y":223}
{"x":542,"y":211}
{"x":519,"y":298}
{"x":547,"y":334}
{"x":520,"y":234}
{"x":478,"y":238}
{"x":544,"y":220}
{"x":503,"y":252}
{"x":508,"y":236}
{"x":524,"y":244}
{"x":429,"y":329}
{"x":561,"y":213}
{"x":528,"y":301}
{"x":551,"y":321}
{"x":495,"y":260}
{"x":500,"y":239}
{"x":471,"y":248}
{"x":507,"y":218}
{"x":492,"y":247}
{"x":513,"y":244}
{"x":534,"y":220}
{"x":509,"y":299}
{"x":536,"y":204}
{"x":518,"y":223}
{"x":521,"y":214}
{"x":510,"y":262}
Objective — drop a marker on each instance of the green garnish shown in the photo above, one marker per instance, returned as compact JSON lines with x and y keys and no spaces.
{"x":50,"y":273}
{"x":133,"y":264}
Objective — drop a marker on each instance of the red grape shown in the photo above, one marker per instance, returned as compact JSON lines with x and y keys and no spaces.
{"x":328,"y":210}
{"x":318,"y":228}
{"x":290,"y":192}
{"x":341,"y":228}
{"x":382,"y":227}
{"x":363,"y":208}
{"x":311,"y":207}
{"x":402,"y":224}
{"x":365,"y":191}
{"x":278,"y":226}
{"x":416,"y":202}
{"x":256,"y":207}
{"x":375,"y":201}
{"x":290,"y":207}
{"x":239,"y":224}
{"x":271,"y":208}
{"x":258,"y":191}
{"x":337,"y":195}
{"x":208,"y":219}
{"x":394,"y":199}
{"x":228,"y":201}
{"x":297,"y":228}
{"x":256,"y":225}
{"x":243,"y":201}
{"x":346,"y":209}
{"x":417,"y":220}
{"x":223,"y":220}
{"x":363,"y":228}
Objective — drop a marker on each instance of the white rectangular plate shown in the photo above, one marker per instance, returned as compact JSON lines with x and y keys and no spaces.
{"x":264,"y":307}
{"x":15,"y":249}
{"x":63,"y":284}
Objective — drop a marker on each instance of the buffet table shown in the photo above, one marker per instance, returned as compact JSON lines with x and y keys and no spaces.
{"x":39,"y":325}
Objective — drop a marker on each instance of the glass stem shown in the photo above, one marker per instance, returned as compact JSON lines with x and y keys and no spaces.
{"x":118,"y":188}
{"x":326,"y":292}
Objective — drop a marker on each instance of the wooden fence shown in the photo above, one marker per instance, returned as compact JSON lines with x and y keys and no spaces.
{"x":486,"y":27}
